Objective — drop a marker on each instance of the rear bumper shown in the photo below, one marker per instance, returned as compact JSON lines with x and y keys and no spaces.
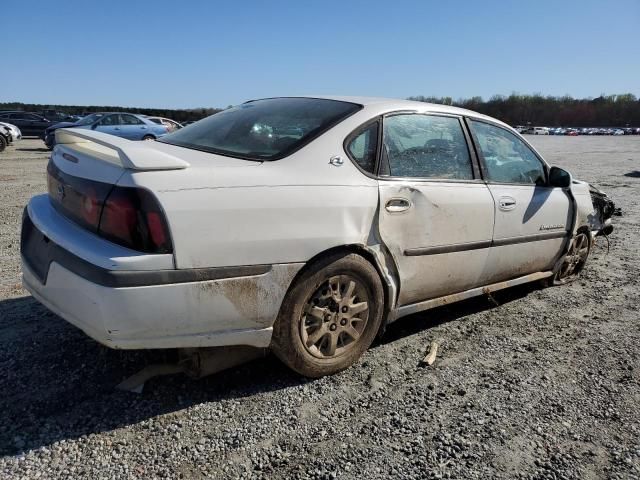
{"x":132,"y":309}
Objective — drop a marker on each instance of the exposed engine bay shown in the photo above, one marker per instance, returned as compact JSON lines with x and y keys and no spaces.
{"x":604,"y":209}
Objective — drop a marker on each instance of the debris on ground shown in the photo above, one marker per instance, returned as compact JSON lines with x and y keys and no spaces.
{"x":433,"y":351}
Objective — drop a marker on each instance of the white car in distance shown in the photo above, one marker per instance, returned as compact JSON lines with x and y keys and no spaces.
{"x":300,"y":224}
{"x":14,"y":131}
{"x":540,"y":131}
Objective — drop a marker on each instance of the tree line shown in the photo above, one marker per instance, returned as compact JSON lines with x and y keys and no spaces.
{"x":182,"y":115}
{"x":604,"y":111}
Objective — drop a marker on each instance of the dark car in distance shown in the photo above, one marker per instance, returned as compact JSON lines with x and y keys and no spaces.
{"x":30,"y":124}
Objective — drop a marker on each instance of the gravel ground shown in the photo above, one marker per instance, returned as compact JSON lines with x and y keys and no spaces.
{"x":546,"y":385}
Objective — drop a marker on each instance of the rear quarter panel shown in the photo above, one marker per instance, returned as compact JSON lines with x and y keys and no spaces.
{"x":283,"y":211}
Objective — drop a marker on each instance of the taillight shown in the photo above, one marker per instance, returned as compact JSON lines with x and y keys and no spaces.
{"x":132,"y":217}
{"x":127,"y":216}
{"x":91,"y":207}
{"x":78,"y":198}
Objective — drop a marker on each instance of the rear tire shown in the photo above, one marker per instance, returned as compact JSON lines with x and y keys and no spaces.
{"x":330,"y":316}
{"x":3,"y":143}
{"x":147,"y":138}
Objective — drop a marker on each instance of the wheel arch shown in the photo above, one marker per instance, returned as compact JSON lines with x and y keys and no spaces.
{"x":388,"y":276}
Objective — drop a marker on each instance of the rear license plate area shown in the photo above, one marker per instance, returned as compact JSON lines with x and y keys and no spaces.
{"x":35,"y":248}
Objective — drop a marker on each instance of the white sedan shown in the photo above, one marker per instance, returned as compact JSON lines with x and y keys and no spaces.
{"x":300,"y":224}
{"x":14,"y":131}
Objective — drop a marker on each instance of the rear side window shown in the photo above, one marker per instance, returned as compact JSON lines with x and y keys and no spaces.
{"x":362,"y":148}
{"x":263,"y":129}
{"x":507,"y":159}
{"x":425,"y":146}
{"x":130,"y":120}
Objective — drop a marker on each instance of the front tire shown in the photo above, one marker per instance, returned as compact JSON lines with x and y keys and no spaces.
{"x":3,"y":143}
{"x":147,"y":138}
{"x":574,"y":261}
{"x":330,"y":316}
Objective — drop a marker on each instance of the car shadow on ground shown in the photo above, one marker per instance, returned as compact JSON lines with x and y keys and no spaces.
{"x":633,"y":174}
{"x":32,"y":149}
{"x":58,"y":384}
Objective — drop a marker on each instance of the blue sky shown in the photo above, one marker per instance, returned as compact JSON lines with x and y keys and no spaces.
{"x":181,"y":54}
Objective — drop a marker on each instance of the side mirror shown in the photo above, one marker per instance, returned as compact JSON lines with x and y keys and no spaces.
{"x":559,"y":178}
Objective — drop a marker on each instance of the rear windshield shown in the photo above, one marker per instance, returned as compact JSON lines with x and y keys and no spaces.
{"x":263,"y":129}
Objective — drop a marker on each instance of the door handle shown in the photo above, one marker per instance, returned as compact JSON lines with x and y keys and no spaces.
{"x":397,"y":205}
{"x":507,"y":203}
{"x":116,"y":128}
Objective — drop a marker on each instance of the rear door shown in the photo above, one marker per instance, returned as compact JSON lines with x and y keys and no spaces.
{"x":436,"y":214}
{"x":132,"y":127}
{"x":532,"y":219}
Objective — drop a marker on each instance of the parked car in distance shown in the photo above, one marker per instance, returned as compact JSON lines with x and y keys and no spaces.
{"x":172,"y":125}
{"x":307,"y":241}
{"x":30,"y":124}
{"x":125,"y":125}
{"x":5,"y":137}
{"x":536,"y":131}
{"x":13,"y":131}
{"x":540,"y":131}
{"x":56,"y":116}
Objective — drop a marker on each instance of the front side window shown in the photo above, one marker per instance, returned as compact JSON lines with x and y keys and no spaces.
{"x":90,"y":119}
{"x":362,"y":148}
{"x":507,"y":159}
{"x":110,"y":120}
{"x":263,"y":129}
{"x":425,"y":146}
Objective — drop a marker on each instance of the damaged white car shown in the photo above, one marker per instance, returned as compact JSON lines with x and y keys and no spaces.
{"x":300,"y":224}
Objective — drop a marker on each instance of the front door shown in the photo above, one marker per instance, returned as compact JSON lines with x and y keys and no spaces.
{"x":110,"y":124}
{"x":435,"y":214}
{"x":532,"y":219}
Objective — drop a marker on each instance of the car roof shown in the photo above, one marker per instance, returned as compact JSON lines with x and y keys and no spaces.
{"x":401,"y":104}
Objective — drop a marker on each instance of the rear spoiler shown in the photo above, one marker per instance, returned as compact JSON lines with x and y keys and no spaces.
{"x":129,"y":154}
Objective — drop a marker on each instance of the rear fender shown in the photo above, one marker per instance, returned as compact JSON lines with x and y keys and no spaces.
{"x":378,"y":255}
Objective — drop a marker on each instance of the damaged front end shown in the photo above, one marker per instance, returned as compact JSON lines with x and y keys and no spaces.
{"x":604,"y":209}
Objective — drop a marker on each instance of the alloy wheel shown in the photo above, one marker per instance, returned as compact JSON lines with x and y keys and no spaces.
{"x":334,"y":317}
{"x":576,"y":257}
